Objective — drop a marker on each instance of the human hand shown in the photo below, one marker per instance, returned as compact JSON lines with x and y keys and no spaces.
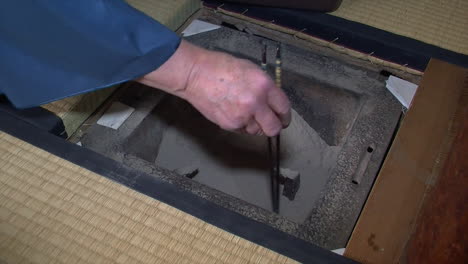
{"x":233,"y":93}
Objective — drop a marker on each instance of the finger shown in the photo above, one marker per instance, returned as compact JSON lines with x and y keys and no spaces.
{"x":253,"y":127}
{"x":280,"y":104}
{"x":268,"y":121}
{"x":228,"y":124}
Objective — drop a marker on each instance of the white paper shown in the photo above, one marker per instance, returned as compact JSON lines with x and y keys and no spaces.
{"x":339,"y":251}
{"x":403,"y":90}
{"x":116,"y":115}
{"x":198,"y":26}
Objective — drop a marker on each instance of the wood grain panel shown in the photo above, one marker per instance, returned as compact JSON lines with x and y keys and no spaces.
{"x":410,"y":169}
{"x":442,"y":231}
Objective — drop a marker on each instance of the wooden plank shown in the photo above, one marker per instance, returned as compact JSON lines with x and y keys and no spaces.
{"x":410,"y":168}
{"x":442,"y":231}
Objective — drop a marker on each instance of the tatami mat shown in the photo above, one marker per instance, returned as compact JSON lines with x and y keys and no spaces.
{"x":442,"y":23}
{"x":54,"y":211}
{"x":172,"y":13}
{"x":76,"y":109}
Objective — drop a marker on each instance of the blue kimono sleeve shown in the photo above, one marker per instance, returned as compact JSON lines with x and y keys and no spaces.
{"x":58,"y":48}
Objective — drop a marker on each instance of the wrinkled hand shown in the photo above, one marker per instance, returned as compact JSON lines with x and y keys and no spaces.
{"x":233,"y":93}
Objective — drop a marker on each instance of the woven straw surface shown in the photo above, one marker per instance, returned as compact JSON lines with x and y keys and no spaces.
{"x":61,"y":107}
{"x":172,"y":13}
{"x":443,"y":23}
{"x":76,"y":109}
{"x":54,"y":211}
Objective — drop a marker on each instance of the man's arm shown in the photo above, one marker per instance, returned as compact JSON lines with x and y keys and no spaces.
{"x":55,"y":49}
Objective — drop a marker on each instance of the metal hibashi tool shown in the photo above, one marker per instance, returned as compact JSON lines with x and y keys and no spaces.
{"x":274,"y":142}
{"x":274,"y":151}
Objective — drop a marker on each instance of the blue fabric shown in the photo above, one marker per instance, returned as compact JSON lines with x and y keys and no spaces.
{"x":58,"y":48}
